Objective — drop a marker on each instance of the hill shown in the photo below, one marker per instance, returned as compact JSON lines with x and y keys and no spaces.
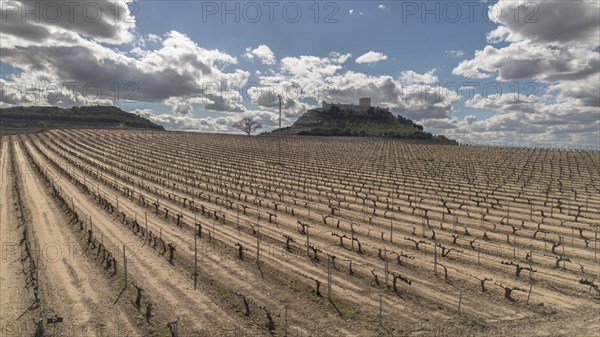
{"x":24,"y":119}
{"x":372,"y":122}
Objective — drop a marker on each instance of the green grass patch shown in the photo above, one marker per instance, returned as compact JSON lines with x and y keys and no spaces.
{"x":230,"y":299}
{"x":313,"y":292}
{"x":163,"y":330}
{"x":344,"y":309}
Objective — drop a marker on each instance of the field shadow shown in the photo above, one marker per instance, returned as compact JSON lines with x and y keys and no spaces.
{"x":335,"y":307}
{"x":120,"y":294}
{"x":260,"y":270}
{"x":33,"y":306}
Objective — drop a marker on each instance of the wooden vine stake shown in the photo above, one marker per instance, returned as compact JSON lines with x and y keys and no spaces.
{"x":285,"y":321}
{"x":596,"y":245}
{"x":391,"y":230}
{"x":435,"y":258}
{"x":195,"y":260}
{"x":258,"y":250}
{"x":125,"y":266}
{"x":529,"y":295}
{"x":329,"y":277}
{"x":380,"y":309}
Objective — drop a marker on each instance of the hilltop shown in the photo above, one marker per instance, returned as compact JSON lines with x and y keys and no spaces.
{"x":358,"y":121}
{"x":24,"y":119}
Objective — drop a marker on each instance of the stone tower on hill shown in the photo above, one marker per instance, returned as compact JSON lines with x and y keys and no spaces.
{"x":364,"y":102}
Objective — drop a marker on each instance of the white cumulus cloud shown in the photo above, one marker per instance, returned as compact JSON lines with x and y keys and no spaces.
{"x":412,"y":77}
{"x":371,"y":57}
{"x":263,"y":53}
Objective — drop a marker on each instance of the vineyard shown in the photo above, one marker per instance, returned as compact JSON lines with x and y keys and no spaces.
{"x":151,"y":233}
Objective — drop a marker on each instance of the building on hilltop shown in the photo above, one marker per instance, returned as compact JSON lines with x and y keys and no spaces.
{"x":364,"y":104}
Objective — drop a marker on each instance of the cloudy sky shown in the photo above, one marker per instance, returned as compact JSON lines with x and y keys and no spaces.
{"x":496,"y":71}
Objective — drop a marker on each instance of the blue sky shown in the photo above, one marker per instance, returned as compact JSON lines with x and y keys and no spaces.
{"x":412,"y":45}
{"x":357,"y":34}
{"x":411,"y":39}
{"x":476,"y":54}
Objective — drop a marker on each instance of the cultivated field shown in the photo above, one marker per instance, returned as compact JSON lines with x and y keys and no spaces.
{"x":127,"y":232}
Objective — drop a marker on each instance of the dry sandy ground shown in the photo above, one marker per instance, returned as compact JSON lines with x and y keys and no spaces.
{"x":170,"y":291}
{"x":500,"y":312}
{"x":72,"y":287}
{"x":15,"y":299}
{"x":426,"y":308}
{"x":497,"y":311}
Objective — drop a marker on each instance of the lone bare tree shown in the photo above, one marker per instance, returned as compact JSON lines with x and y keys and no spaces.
{"x":247,"y":125}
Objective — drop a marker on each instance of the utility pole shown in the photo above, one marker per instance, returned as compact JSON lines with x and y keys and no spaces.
{"x":280,"y":98}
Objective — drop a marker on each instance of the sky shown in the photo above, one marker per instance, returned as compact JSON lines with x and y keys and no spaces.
{"x":496,"y":72}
